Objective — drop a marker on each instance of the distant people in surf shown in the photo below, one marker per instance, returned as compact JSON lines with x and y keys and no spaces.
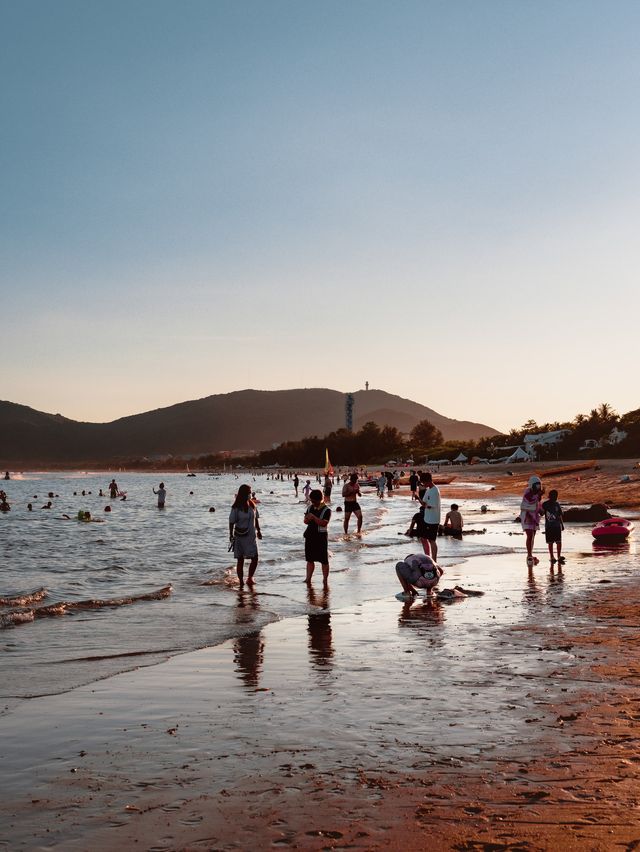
{"x":162,"y":495}
{"x":316,"y":536}
{"x":244,"y":530}
{"x":113,"y":489}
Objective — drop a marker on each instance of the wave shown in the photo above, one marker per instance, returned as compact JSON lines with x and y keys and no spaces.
{"x":27,"y":598}
{"x":9,"y":619}
{"x":62,"y":607}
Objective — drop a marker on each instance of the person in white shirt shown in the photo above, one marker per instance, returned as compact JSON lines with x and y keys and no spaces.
{"x":431,"y":505}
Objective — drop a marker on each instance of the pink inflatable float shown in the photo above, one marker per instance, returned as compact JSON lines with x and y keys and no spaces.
{"x":613,"y":529}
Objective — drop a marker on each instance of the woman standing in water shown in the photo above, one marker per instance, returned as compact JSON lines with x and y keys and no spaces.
{"x":530,"y":511}
{"x":244,"y":528}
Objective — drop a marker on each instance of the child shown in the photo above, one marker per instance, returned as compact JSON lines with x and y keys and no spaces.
{"x":418,"y":569}
{"x":316,"y":538}
{"x":453,"y":522}
{"x":553,"y":525}
{"x":307,"y":490}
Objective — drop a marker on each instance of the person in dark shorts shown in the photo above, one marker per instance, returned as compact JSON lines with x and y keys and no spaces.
{"x":328,"y":487}
{"x":430,"y":501}
{"x":351,"y":492}
{"x":316,"y":538}
{"x":553,"y":525}
{"x":413,"y":485}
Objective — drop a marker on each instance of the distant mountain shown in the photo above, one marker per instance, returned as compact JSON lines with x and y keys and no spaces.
{"x":242,"y":420}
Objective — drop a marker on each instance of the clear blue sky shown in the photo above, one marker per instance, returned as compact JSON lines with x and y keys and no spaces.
{"x":441,"y":198}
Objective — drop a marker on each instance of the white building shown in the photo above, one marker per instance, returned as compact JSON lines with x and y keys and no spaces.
{"x":544,"y":439}
{"x":616,"y":436}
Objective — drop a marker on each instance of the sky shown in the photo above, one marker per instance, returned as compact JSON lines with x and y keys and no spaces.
{"x":439,"y":198}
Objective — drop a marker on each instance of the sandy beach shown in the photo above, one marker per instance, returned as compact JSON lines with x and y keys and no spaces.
{"x":600,"y":484}
{"x":508,"y":721}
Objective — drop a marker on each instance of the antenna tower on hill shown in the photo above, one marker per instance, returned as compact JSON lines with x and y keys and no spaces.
{"x":348,"y":410}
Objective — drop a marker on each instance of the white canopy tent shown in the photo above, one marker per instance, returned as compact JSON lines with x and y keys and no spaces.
{"x":519,"y":456}
{"x":460,"y":459}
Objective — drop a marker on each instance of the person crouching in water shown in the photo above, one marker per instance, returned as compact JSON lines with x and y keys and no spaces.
{"x":418,"y":571}
{"x":316,"y":537}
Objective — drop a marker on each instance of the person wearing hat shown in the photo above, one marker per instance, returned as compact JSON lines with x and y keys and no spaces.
{"x":530,"y":512}
{"x":418,"y":571}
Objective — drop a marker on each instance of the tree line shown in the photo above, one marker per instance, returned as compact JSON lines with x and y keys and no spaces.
{"x":374,"y":444}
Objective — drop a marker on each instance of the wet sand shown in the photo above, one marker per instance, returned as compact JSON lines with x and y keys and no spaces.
{"x":503,"y":722}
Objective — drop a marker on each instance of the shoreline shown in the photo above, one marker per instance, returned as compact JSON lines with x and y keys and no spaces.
{"x":373,"y":726}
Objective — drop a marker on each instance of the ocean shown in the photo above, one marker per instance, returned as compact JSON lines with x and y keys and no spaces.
{"x":137,"y":549}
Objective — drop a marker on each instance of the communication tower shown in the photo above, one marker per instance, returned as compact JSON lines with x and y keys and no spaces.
{"x":348,"y":410}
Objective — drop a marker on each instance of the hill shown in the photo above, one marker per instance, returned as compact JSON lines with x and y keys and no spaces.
{"x":243,"y":420}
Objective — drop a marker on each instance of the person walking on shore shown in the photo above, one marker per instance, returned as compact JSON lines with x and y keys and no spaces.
{"x":162,"y":495}
{"x":430,"y":502}
{"x":296,"y":483}
{"x":553,"y":526}
{"x":351,"y":492}
{"x":316,"y":538}
{"x":244,"y":529}
{"x":530,"y":511}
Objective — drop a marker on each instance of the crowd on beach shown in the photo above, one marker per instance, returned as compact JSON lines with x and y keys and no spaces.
{"x":415,"y":573}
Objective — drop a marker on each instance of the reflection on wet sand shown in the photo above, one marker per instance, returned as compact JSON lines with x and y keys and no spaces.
{"x":319,"y":632}
{"x":428,"y":614}
{"x":248,"y":650}
{"x":555,"y":581}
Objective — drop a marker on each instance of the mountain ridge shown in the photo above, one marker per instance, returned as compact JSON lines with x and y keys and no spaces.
{"x":242,"y":421}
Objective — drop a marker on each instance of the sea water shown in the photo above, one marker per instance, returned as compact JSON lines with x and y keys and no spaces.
{"x":137,"y":548}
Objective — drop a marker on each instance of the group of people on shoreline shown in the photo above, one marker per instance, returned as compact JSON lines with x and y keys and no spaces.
{"x":245,"y":532}
{"x":244,"y":525}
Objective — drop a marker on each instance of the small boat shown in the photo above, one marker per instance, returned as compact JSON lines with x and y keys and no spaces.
{"x":612,"y":530}
{"x":437,"y":479}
